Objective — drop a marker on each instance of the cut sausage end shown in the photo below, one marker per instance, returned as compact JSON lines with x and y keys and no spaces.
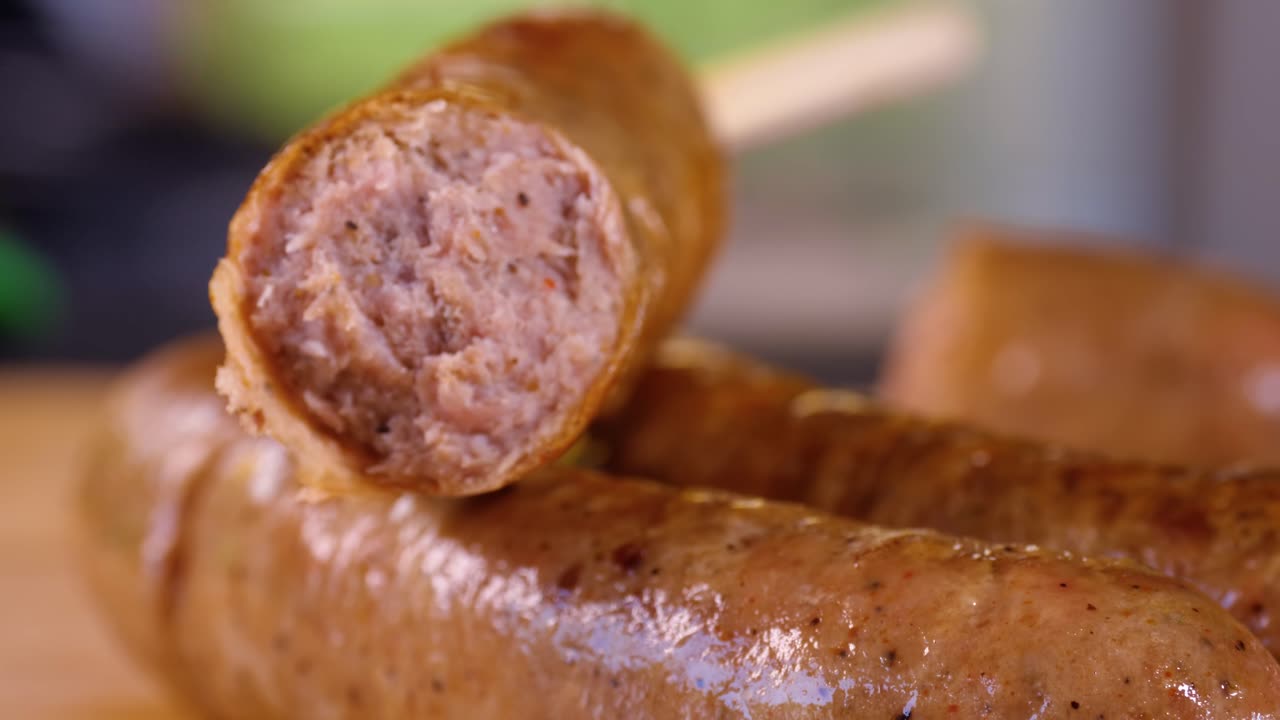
{"x":440,"y":286}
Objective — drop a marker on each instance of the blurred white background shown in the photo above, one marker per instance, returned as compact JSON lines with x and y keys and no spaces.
{"x":1152,"y":123}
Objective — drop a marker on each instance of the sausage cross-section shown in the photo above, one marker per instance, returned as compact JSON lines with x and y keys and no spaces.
{"x":438,"y":286}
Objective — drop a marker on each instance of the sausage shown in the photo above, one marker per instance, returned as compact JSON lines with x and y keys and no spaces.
{"x":437,"y":286}
{"x":576,"y":595}
{"x":1099,"y":350}
{"x":704,"y":417}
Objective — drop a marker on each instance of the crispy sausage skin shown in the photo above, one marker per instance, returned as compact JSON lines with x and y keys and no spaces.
{"x":575,"y":595}
{"x":705,"y":417}
{"x":437,"y":286}
{"x":1099,"y":350}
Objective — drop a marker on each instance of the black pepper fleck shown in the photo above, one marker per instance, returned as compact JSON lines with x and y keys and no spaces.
{"x":351,"y":225}
{"x":890,"y":657}
{"x":1240,"y":645}
{"x":628,"y":557}
{"x":568,"y":579}
{"x":522,"y":199}
{"x":1075,"y":705}
{"x":1070,"y":479}
{"x":1091,"y":606}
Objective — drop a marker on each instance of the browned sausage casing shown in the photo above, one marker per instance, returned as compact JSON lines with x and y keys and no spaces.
{"x":437,"y":286}
{"x":703,"y":417}
{"x":1099,"y":350}
{"x":573,"y":595}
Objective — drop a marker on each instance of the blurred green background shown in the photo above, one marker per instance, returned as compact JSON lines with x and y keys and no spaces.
{"x":272,"y":66}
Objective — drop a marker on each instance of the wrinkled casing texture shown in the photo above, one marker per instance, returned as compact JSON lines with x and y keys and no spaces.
{"x":705,"y":417}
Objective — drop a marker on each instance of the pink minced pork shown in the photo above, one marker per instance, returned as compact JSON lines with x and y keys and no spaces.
{"x":439,"y":288}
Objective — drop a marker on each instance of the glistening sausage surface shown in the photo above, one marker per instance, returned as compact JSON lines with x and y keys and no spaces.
{"x":572,"y":595}
{"x":437,"y":286}
{"x":704,"y":417}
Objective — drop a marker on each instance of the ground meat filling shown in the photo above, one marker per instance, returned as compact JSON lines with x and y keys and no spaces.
{"x":439,"y":288}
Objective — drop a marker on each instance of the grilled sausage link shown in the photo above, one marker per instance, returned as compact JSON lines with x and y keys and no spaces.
{"x":437,"y":286}
{"x":704,"y":417}
{"x":1105,"y":351}
{"x":573,"y":595}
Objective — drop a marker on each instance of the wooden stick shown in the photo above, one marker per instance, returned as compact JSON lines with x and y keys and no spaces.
{"x":865,"y":61}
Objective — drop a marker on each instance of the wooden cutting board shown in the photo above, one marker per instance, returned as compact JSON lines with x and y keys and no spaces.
{"x":58,"y":660}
